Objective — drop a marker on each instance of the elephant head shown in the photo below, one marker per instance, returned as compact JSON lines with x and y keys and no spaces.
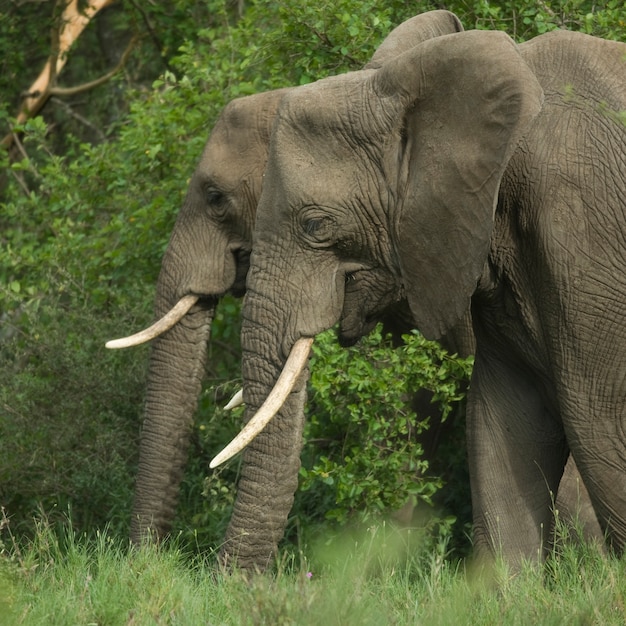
{"x":208,"y":256}
{"x":446,"y":176}
{"x":350,"y":160}
{"x":353,"y":210}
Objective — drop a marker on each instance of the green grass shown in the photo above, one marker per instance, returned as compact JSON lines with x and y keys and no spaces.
{"x":380,"y":576}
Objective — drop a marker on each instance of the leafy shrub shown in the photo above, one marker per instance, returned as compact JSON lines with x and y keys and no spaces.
{"x":364,"y":454}
{"x":69,"y":419}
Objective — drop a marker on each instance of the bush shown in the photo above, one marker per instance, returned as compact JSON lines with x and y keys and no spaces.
{"x":69,"y":420}
{"x":365,"y":453}
{"x":363,"y":457}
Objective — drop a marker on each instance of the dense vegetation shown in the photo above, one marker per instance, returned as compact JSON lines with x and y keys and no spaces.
{"x":89,"y":192}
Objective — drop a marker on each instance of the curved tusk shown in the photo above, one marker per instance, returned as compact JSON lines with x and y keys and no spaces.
{"x":235,"y":401}
{"x":285,"y":383}
{"x":174,"y":315}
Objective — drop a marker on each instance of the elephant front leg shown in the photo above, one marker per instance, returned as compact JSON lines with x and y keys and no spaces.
{"x":517,"y":451}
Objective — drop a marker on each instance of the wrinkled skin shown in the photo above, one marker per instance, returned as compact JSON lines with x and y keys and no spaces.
{"x":208,"y":255}
{"x":468,"y":169}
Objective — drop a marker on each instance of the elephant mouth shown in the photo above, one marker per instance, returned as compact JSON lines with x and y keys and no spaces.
{"x":348,"y":336}
{"x":369,"y":298}
{"x":242,"y":265}
{"x":368,"y":294}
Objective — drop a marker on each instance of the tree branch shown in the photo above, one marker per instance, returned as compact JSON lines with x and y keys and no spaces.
{"x":21,"y":182}
{"x":72,"y":22}
{"x":18,"y":177}
{"x":72,"y":91}
{"x":77,"y":116}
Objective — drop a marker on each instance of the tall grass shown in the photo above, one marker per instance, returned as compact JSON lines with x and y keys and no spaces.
{"x":378,"y":576}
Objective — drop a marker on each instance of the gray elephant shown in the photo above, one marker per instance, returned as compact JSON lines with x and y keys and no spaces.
{"x":208,"y":256}
{"x":466,"y":170}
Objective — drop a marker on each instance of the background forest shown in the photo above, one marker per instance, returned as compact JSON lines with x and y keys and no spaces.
{"x":89,"y":190}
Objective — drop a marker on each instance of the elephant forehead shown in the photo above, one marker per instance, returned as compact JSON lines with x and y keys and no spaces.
{"x":300,"y":177}
{"x":319,"y":154}
{"x":332,"y":115}
{"x":233,"y":154}
{"x":235,"y":138}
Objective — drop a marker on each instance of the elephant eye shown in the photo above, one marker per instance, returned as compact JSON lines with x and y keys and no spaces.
{"x":215,"y":197}
{"x":318,"y":228}
{"x":217,"y":201}
{"x":313,"y":226}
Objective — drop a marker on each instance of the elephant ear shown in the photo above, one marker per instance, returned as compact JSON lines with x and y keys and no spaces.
{"x":460,"y":105}
{"x":413,"y":32}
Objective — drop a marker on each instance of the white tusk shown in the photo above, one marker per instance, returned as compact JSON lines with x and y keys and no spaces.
{"x":173,"y":316}
{"x":235,"y":401}
{"x":285,"y":383}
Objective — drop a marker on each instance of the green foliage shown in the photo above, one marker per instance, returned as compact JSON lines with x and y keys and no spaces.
{"x":20,"y":22}
{"x":364,"y":454}
{"x":364,"y":444}
{"x":68,"y":418}
{"x":524,"y":19}
{"x":159,"y":29}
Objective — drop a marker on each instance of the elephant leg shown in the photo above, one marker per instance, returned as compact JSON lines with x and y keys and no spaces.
{"x":599,"y":448}
{"x":517,"y":451}
{"x":574,"y":506}
{"x":604,"y":478}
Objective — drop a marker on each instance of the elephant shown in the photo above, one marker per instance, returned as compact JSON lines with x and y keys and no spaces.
{"x":468,"y":172}
{"x":207,"y":257}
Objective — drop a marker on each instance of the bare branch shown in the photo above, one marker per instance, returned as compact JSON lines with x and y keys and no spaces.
{"x":21,"y":182}
{"x":72,"y":22}
{"x":19,"y":147}
{"x":77,"y":116}
{"x":72,"y":91}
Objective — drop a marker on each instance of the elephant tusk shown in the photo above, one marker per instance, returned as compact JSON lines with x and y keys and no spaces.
{"x":174,"y":315}
{"x":285,"y":383}
{"x":235,"y":401}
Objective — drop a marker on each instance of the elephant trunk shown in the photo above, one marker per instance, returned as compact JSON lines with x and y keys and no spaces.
{"x":269,"y":474}
{"x":288,"y":379}
{"x":174,"y":382}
